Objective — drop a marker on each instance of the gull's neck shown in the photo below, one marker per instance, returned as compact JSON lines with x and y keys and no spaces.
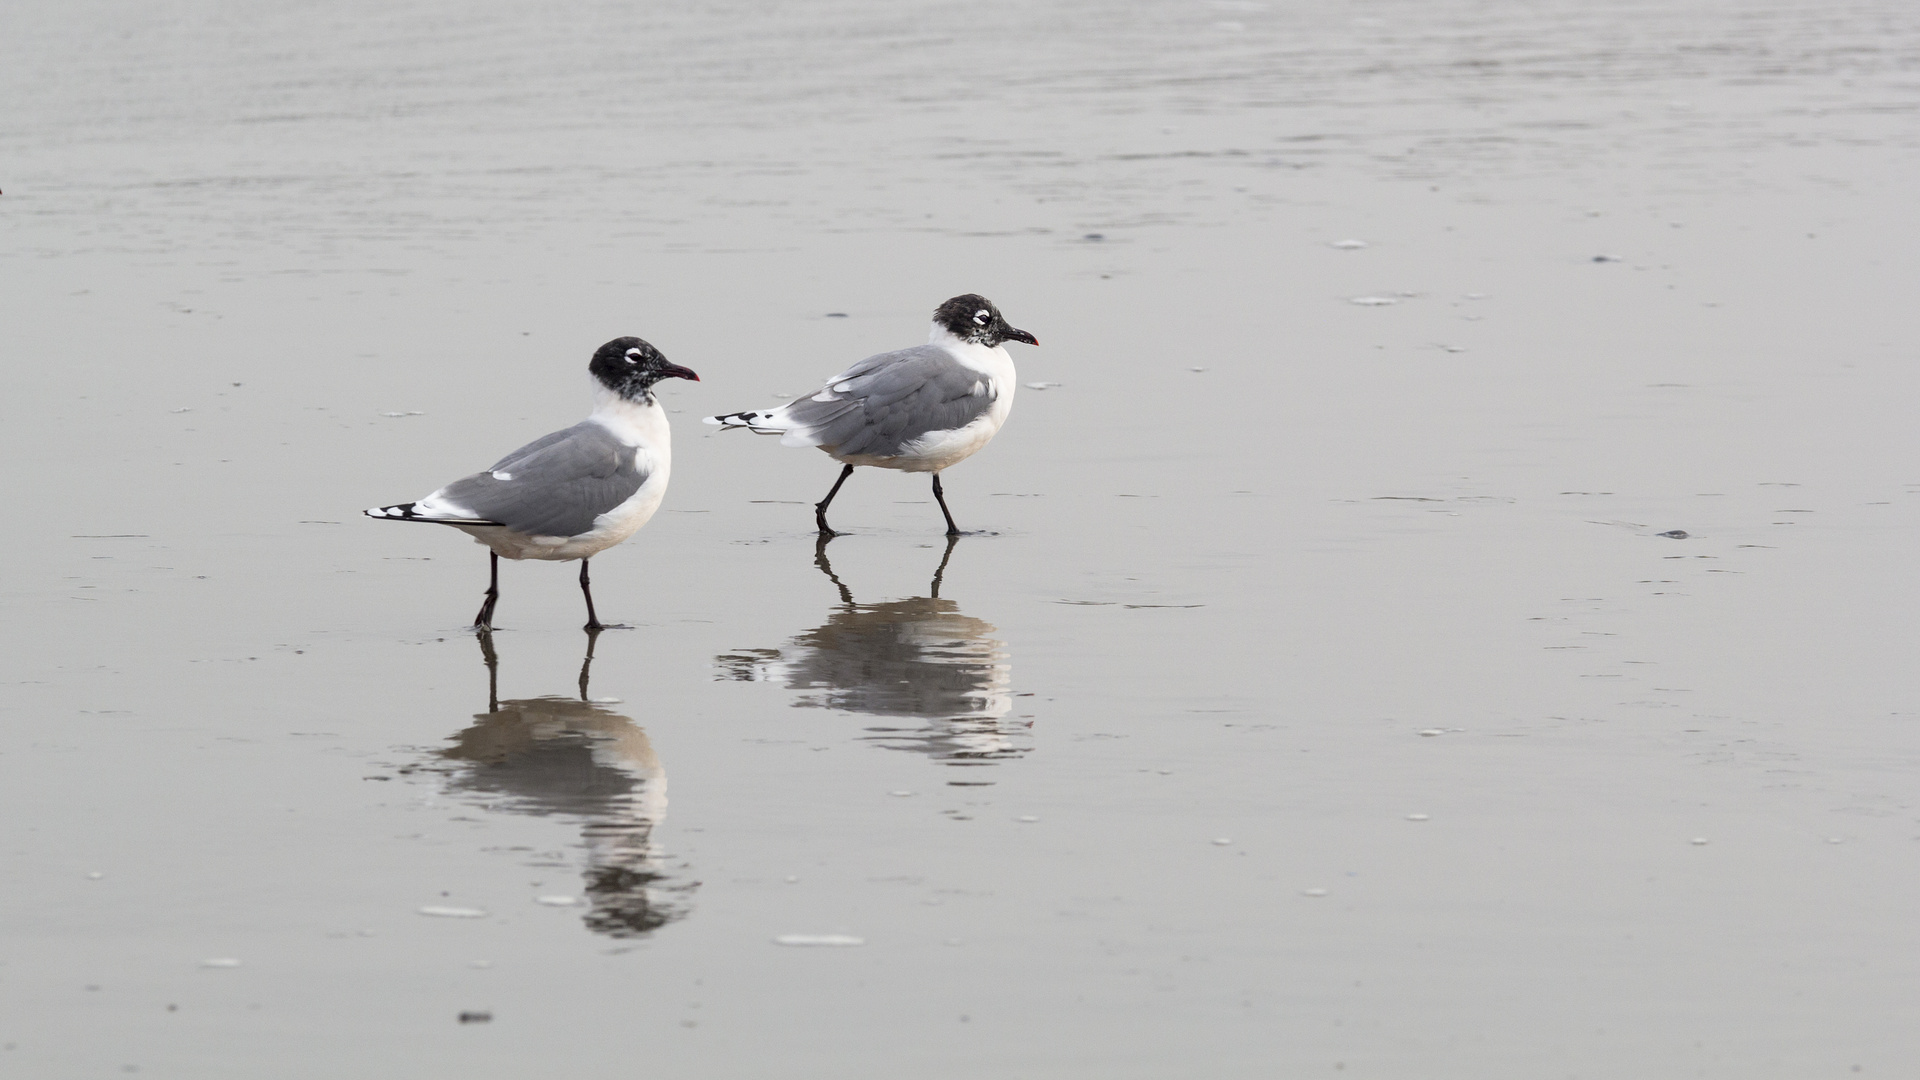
{"x":986,"y":359}
{"x":633,"y":422}
{"x":947,"y":339}
{"x":606,"y":400}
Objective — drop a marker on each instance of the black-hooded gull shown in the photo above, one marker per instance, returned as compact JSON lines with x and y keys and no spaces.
{"x":574,"y":493}
{"x":916,"y":410}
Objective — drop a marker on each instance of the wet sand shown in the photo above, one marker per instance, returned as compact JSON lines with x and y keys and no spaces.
{"x":1324,"y":692}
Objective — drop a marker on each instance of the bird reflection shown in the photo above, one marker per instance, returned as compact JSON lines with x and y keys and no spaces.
{"x":578,"y":759}
{"x":918,"y":657}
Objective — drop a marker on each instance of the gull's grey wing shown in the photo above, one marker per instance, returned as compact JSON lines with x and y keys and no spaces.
{"x":554,"y":486}
{"x":883,"y":402}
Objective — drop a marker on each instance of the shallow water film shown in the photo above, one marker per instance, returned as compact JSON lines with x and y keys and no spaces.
{"x":1442,"y":605}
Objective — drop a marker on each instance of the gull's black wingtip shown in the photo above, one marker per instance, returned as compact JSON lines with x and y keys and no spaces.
{"x":406,"y":512}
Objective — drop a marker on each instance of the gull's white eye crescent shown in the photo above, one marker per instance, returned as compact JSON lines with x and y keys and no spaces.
{"x":633,"y":356}
{"x":980,"y":317}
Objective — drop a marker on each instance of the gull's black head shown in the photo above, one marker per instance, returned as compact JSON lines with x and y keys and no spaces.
{"x":974,"y":318}
{"x":629,"y":367}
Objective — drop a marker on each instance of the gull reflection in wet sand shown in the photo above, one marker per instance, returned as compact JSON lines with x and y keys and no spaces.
{"x":578,"y":759}
{"x":918,"y":657}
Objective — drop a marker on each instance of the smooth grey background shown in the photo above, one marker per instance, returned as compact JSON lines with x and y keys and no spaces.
{"x":1267,"y":566}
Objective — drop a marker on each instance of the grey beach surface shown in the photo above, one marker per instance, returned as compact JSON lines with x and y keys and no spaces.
{"x":1443,"y":604}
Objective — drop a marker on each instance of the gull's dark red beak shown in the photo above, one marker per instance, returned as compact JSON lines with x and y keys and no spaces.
{"x":1020,"y":335}
{"x":675,"y":371}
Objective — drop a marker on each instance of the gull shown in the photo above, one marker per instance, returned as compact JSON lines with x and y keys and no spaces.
{"x":576,"y":492}
{"x":916,"y":410}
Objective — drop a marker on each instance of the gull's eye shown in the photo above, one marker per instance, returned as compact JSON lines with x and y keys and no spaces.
{"x":980,"y":318}
{"x":633,"y":356}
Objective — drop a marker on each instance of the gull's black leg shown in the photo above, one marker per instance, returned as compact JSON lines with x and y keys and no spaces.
{"x":593,"y":621}
{"x":594,"y":625}
{"x":941,"y":497}
{"x":820,"y":508}
{"x":484,"y":620}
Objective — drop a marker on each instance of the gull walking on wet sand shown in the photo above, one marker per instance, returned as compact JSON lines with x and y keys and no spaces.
{"x":916,"y":410}
{"x":574,"y":493}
